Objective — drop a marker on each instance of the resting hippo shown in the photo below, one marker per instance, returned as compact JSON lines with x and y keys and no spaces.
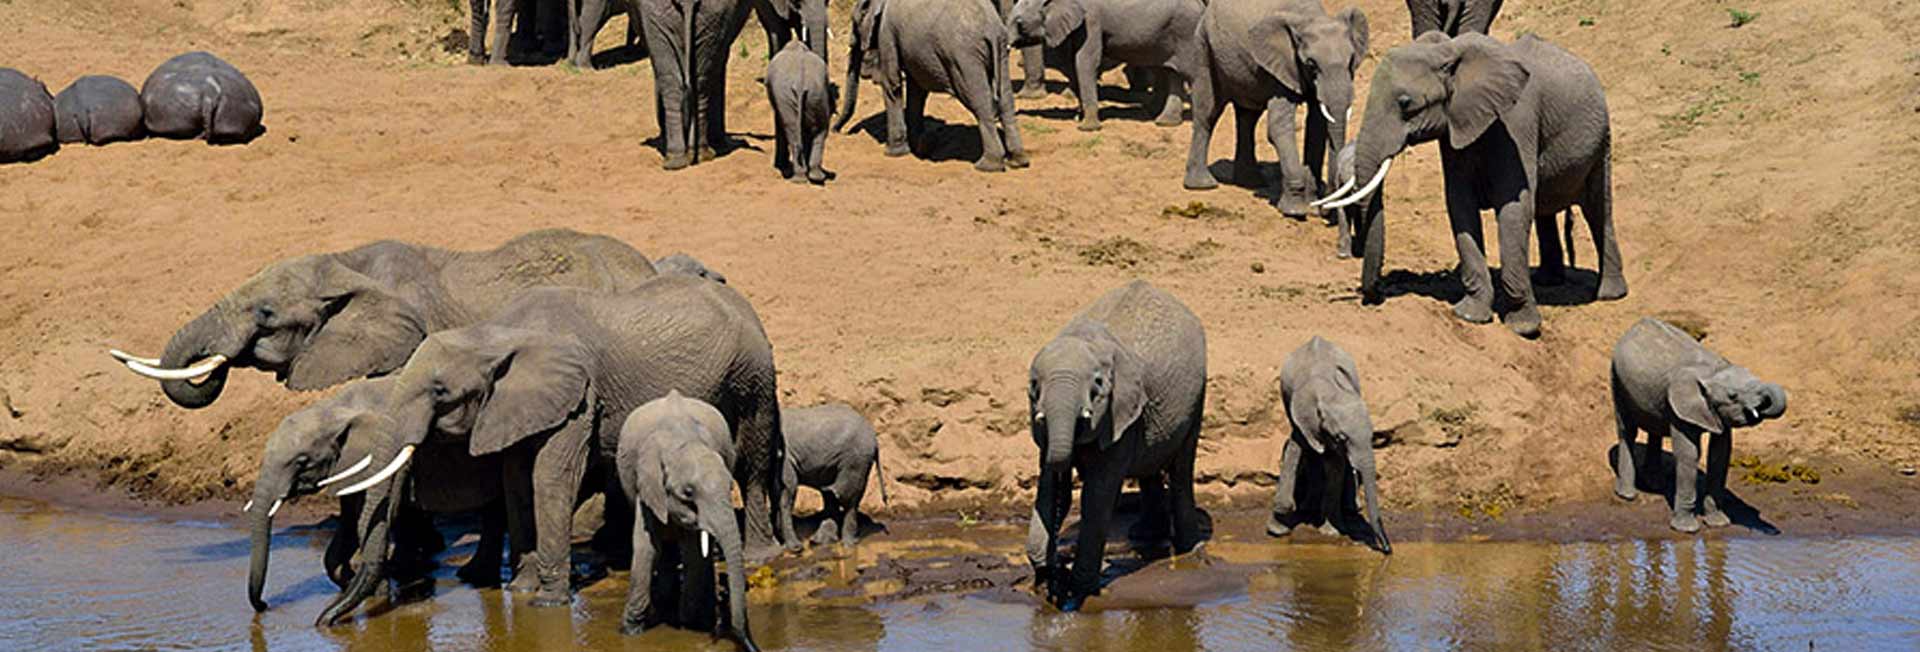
{"x":196,"y":95}
{"x":26,"y":117}
{"x":98,"y":109}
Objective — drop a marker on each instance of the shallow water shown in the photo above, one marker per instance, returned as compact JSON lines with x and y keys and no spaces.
{"x":88,"y":581}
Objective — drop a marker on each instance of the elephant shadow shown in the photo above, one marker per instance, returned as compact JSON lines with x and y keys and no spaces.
{"x":1126,"y":533}
{"x":1133,"y":106}
{"x":1660,"y":482}
{"x":620,"y":56}
{"x":938,"y":140}
{"x":734,"y":142}
{"x":1576,"y":286}
{"x":805,"y":527}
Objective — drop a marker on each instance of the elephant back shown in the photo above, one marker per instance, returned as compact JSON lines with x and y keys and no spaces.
{"x":199,"y":95}
{"x":98,"y":109}
{"x":26,"y":117}
{"x":1160,"y":329}
{"x":485,"y":280}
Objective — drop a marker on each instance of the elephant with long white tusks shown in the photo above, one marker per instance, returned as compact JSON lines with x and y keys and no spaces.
{"x":1668,"y":384}
{"x":1320,"y":387}
{"x":320,"y":320}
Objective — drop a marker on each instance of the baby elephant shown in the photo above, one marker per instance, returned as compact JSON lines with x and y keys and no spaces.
{"x":97,"y":109}
{"x":676,"y":459}
{"x":26,"y":118}
{"x":797,"y":87}
{"x":830,"y":448}
{"x":1320,"y":386}
{"x":1665,"y":382}
{"x":684,"y":264}
{"x":198,"y":96}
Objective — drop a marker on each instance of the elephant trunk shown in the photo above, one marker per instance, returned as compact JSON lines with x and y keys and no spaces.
{"x":1369,"y":480}
{"x":260,"y":515}
{"x":1773,"y":401}
{"x":1380,"y":138}
{"x":1062,"y":406}
{"x":197,"y":340}
{"x":718,"y":522}
{"x":851,"y":95}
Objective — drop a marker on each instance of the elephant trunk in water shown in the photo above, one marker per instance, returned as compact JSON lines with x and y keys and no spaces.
{"x":191,"y":344}
{"x":266,"y":499}
{"x":718,"y":522}
{"x":1368,"y":479}
{"x":851,"y":95}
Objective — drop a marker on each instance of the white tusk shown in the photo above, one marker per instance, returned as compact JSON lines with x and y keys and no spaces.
{"x":1367,"y":190}
{"x":1039,"y":416}
{"x":705,"y":546}
{"x":392,"y":468}
{"x":356,"y":468}
{"x":247,"y":508}
{"x":202,"y":368}
{"x":1336,"y":194}
{"x":124,"y":356}
{"x":1329,"y":114}
{"x":275,"y":509}
{"x":1086,"y":413}
{"x":1349,"y":114}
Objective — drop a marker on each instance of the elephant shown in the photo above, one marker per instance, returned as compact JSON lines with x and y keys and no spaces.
{"x":310,"y":450}
{"x":1666,"y":383}
{"x":1320,"y":387}
{"x":802,"y":104}
{"x":27,"y":125}
{"x":1117,"y":394}
{"x":680,"y":263}
{"x":548,"y":380}
{"x":98,"y":109}
{"x":675,"y":459}
{"x":1452,"y":17}
{"x":831,"y":448}
{"x":690,"y":42}
{"x":923,"y":46}
{"x":1275,"y":55}
{"x":1526,"y":134}
{"x":790,"y":20}
{"x":549,"y":23}
{"x":321,"y":320}
{"x":200,"y":96}
{"x":1033,"y":78}
{"x":1080,"y":35}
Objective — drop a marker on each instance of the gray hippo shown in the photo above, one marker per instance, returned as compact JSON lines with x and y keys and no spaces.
{"x":26,"y":118}
{"x":198,"y":96}
{"x":98,"y":109}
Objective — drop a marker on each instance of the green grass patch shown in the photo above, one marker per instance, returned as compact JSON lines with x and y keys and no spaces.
{"x":1739,"y":18}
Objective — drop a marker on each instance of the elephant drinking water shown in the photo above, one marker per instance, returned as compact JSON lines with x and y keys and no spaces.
{"x":1320,"y":387}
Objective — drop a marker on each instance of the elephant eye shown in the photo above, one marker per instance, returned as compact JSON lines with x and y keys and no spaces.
{"x":686,"y":492}
{"x":1405,"y":101}
{"x":440,"y":392}
{"x":263,"y":314}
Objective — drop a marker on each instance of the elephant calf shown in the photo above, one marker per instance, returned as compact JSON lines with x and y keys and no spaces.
{"x":831,"y":448}
{"x":802,"y":103}
{"x":1080,"y":35}
{"x":680,"y":263}
{"x":1320,"y":386}
{"x":675,"y":459}
{"x":26,"y":118}
{"x":199,"y":96}
{"x":1665,"y":382}
{"x":924,"y":46}
{"x":97,"y":109}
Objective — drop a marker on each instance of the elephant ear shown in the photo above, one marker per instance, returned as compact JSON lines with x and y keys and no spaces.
{"x":1275,"y":48}
{"x":1357,"y":34}
{"x":782,"y":8}
{"x":1426,"y":15}
{"x":1486,"y":82}
{"x":867,"y":24}
{"x":1063,"y":17}
{"x":1128,"y":391}
{"x":368,"y":331}
{"x":1307,"y":421}
{"x":1687,"y":398}
{"x":539,"y":380}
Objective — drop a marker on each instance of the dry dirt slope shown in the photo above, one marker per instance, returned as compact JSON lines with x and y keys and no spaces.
{"x":1764,"y":186}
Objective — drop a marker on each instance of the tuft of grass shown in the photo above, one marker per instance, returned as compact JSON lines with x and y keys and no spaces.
{"x":1749,"y":77}
{"x":1039,"y":127}
{"x":1195,"y":210}
{"x":1758,"y":471}
{"x":1201,"y":249}
{"x":1740,"y":17}
{"x":1118,"y":251}
{"x":1491,"y":504}
{"x":1586,"y":21}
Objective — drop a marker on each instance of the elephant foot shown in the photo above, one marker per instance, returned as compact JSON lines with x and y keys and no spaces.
{"x":896,"y":150}
{"x":582,"y":62}
{"x":1088,"y":124}
{"x":1550,"y":276}
{"x":1628,"y":494}
{"x":476,"y":59}
{"x":707,"y":153}
{"x":825,"y":535}
{"x":1612,"y":288}
{"x":1685,"y":522}
{"x":1472,"y":311}
{"x":1716,"y":518}
{"x":525,"y":579}
{"x":1032,"y":90}
{"x":1293,"y":204}
{"x":633,"y":626}
{"x":1018,"y":160}
{"x":551,"y":598}
{"x":794,"y":178}
{"x":1170,"y":118}
{"x":1328,"y":529}
{"x":497,"y":60}
{"x":1525,"y":322}
{"x":1200,"y":179}
{"x":1276,"y":527}
{"x":676,"y":161}
{"x":816,"y":176}
{"x":990,"y":165}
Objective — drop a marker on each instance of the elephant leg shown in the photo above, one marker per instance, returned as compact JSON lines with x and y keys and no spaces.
{"x":1185,"y":511}
{"x":1719,"y":450}
{"x":1166,"y":95}
{"x":477,"y":31}
{"x":1086,"y":73}
{"x":338,"y":558}
{"x":1597,"y":206}
{"x":1285,"y":508}
{"x":1153,"y":524}
{"x":848,"y":495}
{"x":1314,"y":149}
{"x":1334,"y":498}
{"x":1296,"y":186}
{"x":1051,"y":501}
{"x":503,"y":14}
{"x":1553,"y":259}
{"x":1514,"y":220}
{"x":1206,"y":115}
{"x":1246,"y":166}
{"x":633,"y":619}
{"x":697,"y":599}
{"x":558,"y":466}
{"x":978,"y":91}
{"x":484,"y":568}
{"x":415,"y":543}
{"x":890,"y":91}
{"x":789,"y":490}
{"x":1625,"y":468}
{"x":612,"y":540}
{"x":669,"y":89}
{"x":763,"y":484}
{"x":522,"y":538}
{"x":1009,"y":120}
{"x":1659,"y":476}
{"x":1098,"y":494}
{"x":915,"y":115}
{"x":593,"y":16}
{"x":555,"y":26}
{"x":1033,"y":65}
{"x":773,"y":24}
{"x":1686,"y":469}
{"x":1477,"y":306}
{"x":714,"y":109}
{"x":816,"y":155}
{"x":785,"y":131}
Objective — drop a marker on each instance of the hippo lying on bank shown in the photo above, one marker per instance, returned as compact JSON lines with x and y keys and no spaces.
{"x":98,"y":109}
{"x":198,"y":96}
{"x":26,"y":118}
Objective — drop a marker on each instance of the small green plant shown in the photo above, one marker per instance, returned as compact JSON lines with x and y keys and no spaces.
{"x":968,"y":519}
{"x":1039,"y":127}
{"x":1749,"y":77}
{"x":1196,"y":210}
{"x":1740,"y":17}
{"x":1586,"y":21}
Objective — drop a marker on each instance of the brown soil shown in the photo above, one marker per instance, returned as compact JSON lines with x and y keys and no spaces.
{"x":1761,"y":182}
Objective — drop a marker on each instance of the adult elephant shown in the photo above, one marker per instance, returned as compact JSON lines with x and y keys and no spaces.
{"x":1081,"y":35}
{"x":1275,"y":55}
{"x":321,"y":320}
{"x":592,"y":17}
{"x":1452,"y":17}
{"x":548,"y":382}
{"x":1526,"y":134}
{"x":1117,"y":394}
{"x":547,"y":23}
{"x":690,"y":42}
{"x":785,"y":20}
{"x":923,"y":46}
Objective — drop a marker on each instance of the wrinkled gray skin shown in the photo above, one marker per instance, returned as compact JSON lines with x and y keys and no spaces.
{"x":802,"y":104}
{"x":1526,"y":134}
{"x":26,"y":118}
{"x":198,"y":96}
{"x":1666,"y":383}
{"x":1320,"y":385}
{"x":1452,"y":17}
{"x":548,"y":381}
{"x":1033,"y":80}
{"x":321,"y":320}
{"x":590,"y":18}
{"x":1081,"y":35}
{"x":674,"y":462}
{"x":957,"y":47}
{"x":681,"y":263}
{"x":831,"y":448}
{"x":1273,"y":56}
{"x":1117,"y":394}
{"x":313,"y":444}
{"x":97,"y":109}
{"x":790,"y":20}
{"x":690,"y":50}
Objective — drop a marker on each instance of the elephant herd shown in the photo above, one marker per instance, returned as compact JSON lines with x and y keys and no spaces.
{"x":192,"y":96}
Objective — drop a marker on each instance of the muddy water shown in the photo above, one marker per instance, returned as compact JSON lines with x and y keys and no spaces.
{"x":74,"y":580}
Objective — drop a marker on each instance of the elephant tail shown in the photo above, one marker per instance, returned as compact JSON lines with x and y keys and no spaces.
{"x":999,"y":82}
{"x":689,"y":102}
{"x":880,"y":476}
{"x":1569,"y":239}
